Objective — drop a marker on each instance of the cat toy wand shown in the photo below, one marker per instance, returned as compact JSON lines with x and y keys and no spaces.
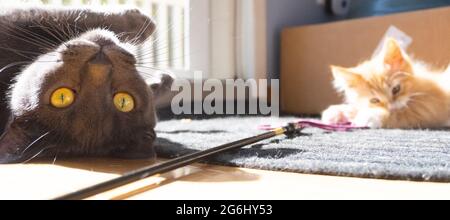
{"x":290,"y":129}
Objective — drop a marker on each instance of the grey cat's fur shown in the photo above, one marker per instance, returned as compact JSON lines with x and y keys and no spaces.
{"x":45,"y":49}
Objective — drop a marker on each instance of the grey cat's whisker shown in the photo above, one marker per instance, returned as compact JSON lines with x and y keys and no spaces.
{"x":146,"y":25}
{"x":46,"y":29}
{"x":76,"y":30}
{"x":8,"y":83}
{"x":71,"y":32}
{"x":144,"y":28}
{"x":13,"y":64}
{"x":121,"y":34}
{"x":149,"y":67}
{"x":159,"y":40}
{"x":153,"y":45}
{"x":34,"y":142}
{"x":58,"y":143}
{"x":54,"y":159}
{"x":37,"y":154}
{"x":152,"y":50}
{"x":27,"y":41}
{"x":141,"y":31}
{"x":64,"y":34}
{"x":48,"y":61}
{"x":53,"y":30}
{"x":152,"y":54}
{"x":24,"y":51}
{"x":156,"y":14}
{"x":62,"y":30}
{"x":36,"y":39}
{"x":147,"y":75}
{"x":24,"y":56}
{"x":157,"y":31}
{"x":41,"y":47}
{"x":162,"y":61}
{"x":40,"y":43}
{"x":30,"y":35}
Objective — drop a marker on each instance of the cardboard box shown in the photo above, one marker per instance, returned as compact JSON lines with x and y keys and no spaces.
{"x":308,"y":51}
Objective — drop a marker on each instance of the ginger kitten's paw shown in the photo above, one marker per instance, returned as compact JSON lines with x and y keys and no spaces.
{"x":338,"y":114}
{"x":372,"y":118}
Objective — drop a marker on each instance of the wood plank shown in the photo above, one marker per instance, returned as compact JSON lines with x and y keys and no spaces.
{"x":46,"y":181}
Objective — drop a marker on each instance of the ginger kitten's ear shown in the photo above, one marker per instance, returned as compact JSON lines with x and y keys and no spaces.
{"x":394,"y":57}
{"x":344,"y":78}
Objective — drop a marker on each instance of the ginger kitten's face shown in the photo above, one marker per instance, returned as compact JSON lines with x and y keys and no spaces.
{"x":386,"y":92}
{"x":384,"y":82}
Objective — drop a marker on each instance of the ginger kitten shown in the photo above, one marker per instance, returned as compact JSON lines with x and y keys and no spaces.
{"x":391,"y":91}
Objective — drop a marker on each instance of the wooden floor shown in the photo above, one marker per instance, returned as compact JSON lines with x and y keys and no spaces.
{"x":44,"y":181}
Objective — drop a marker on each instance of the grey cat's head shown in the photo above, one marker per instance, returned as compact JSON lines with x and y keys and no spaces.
{"x":84,"y":98}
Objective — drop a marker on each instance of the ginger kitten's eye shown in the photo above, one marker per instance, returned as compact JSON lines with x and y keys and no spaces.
{"x":62,"y":98}
{"x":396,"y":90}
{"x":375,"y":101}
{"x":124,"y":102}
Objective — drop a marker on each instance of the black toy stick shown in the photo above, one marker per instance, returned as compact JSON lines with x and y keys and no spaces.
{"x":175,"y":163}
{"x":290,"y":129}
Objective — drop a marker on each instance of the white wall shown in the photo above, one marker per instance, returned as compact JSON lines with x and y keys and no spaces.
{"x":285,"y":13}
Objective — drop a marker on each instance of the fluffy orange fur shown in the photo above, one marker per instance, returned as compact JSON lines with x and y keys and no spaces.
{"x":391,"y":91}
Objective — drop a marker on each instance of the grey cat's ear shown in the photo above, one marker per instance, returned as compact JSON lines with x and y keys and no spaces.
{"x":20,"y":143}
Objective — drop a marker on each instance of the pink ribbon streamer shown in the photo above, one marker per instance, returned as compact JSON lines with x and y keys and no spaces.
{"x":317,"y":124}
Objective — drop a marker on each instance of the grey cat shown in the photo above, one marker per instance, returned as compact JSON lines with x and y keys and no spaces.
{"x":69,"y":86}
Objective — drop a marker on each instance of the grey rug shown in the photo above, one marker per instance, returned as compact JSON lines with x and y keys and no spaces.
{"x":419,"y":155}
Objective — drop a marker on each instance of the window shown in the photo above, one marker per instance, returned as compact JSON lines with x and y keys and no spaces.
{"x":181,"y":26}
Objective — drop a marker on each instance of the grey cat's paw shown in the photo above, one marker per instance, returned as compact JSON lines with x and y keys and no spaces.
{"x":161,"y":83}
{"x":142,"y":149}
{"x":140,"y":26}
{"x":147,"y":153}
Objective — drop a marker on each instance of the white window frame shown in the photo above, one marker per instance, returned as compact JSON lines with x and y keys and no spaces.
{"x":197,"y":39}
{"x":197,"y":33}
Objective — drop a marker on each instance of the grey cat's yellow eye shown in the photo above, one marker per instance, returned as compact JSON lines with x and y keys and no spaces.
{"x":124,"y":102}
{"x":62,"y":98}
{"x":396,"y":90}
{"x":375,"y":101}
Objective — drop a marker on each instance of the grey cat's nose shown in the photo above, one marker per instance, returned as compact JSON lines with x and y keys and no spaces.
{"x":99,"y":69}
{"x":100,"y":58}
{"x":102,"y":42}
{"x":100,"y":39}
{"x":98,"y":74}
